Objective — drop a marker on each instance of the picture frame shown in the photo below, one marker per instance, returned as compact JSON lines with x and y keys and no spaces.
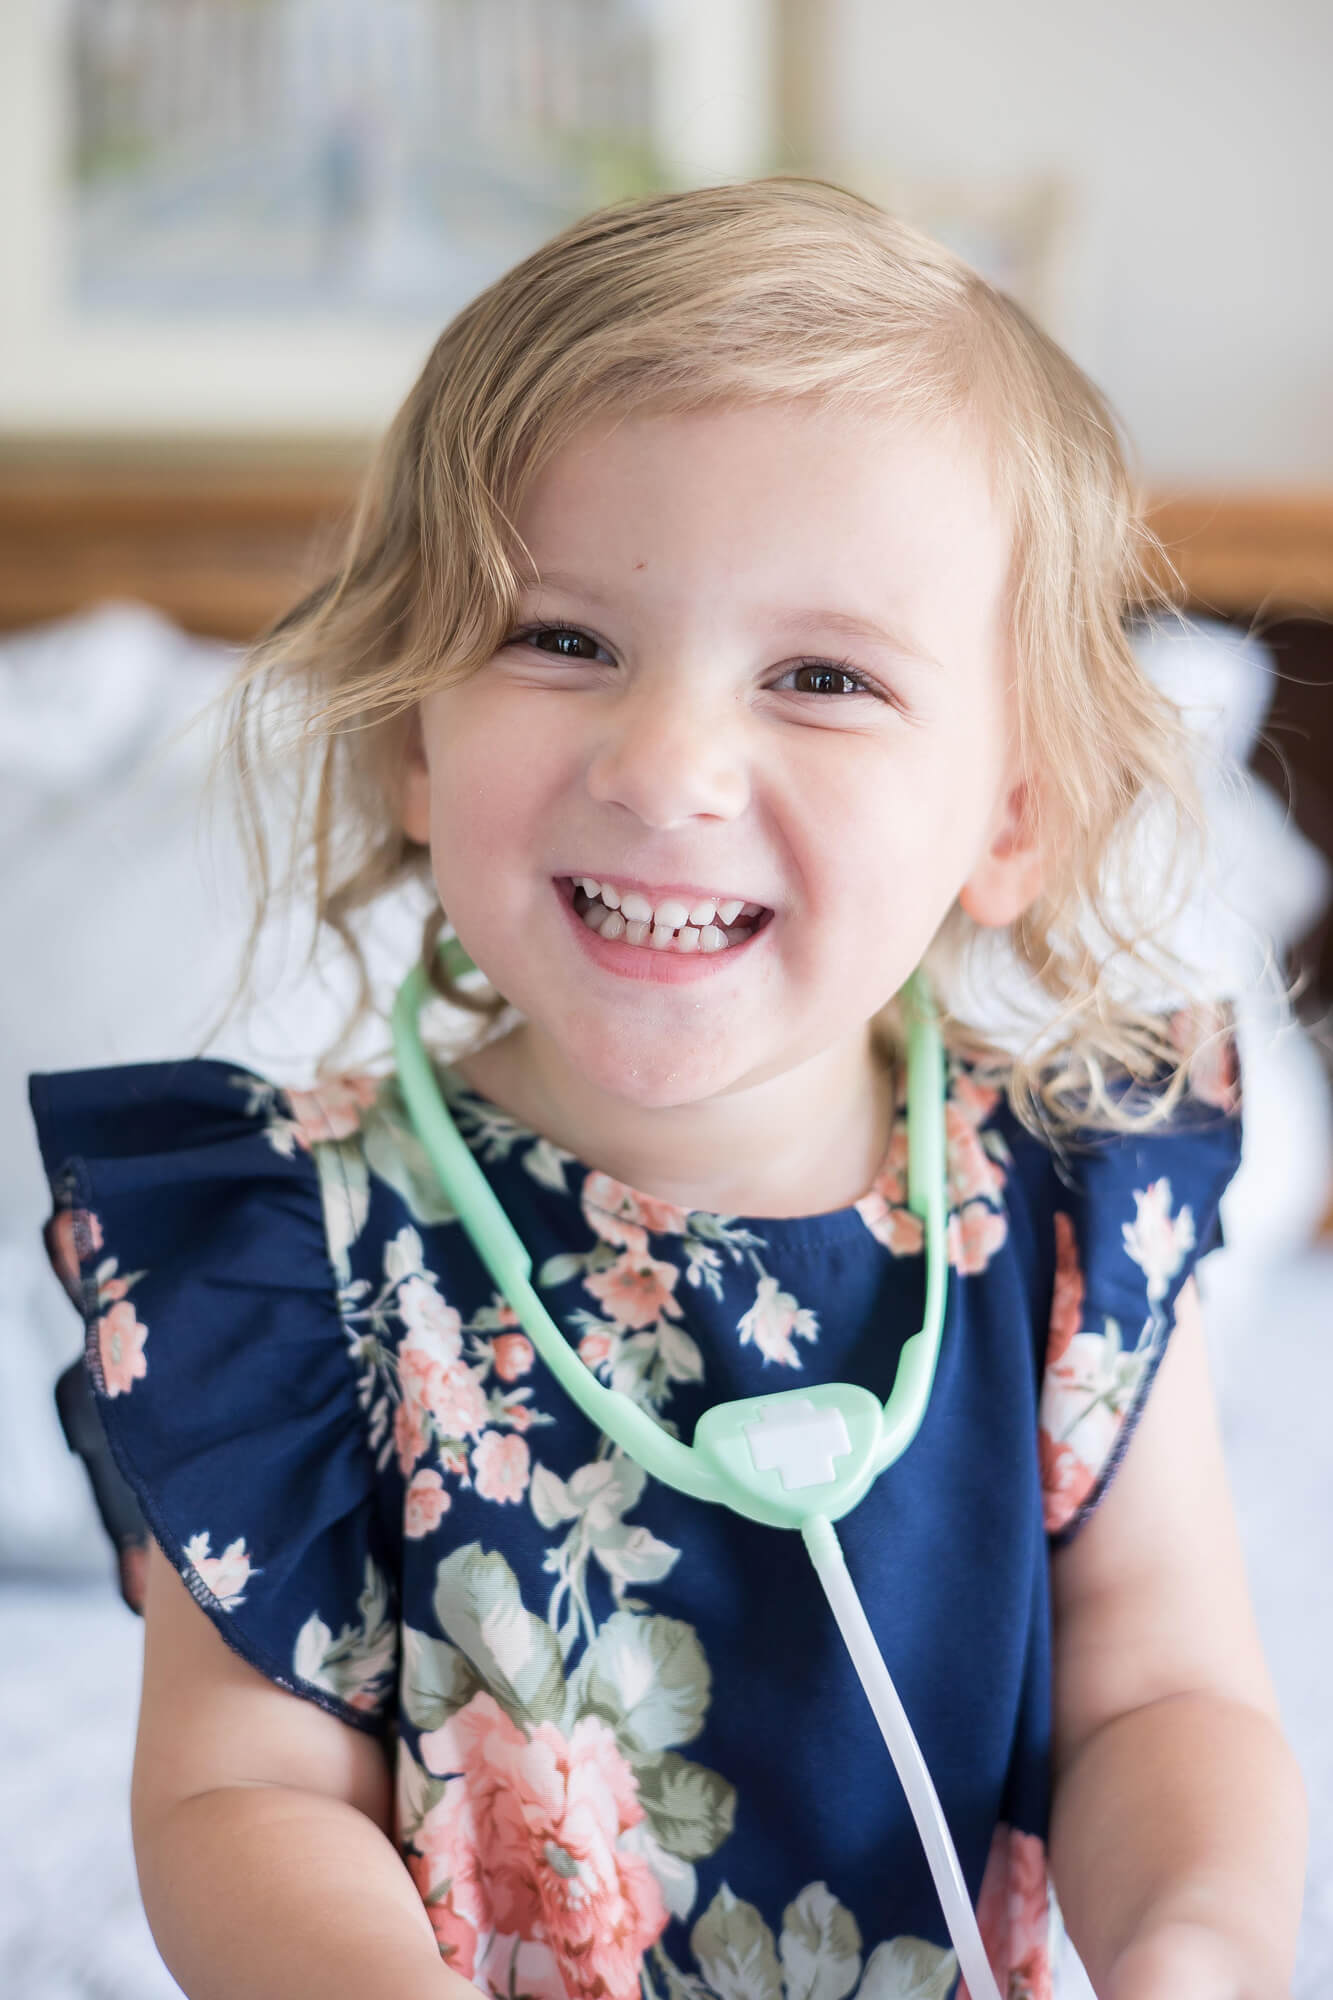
{"x":298,"y":301}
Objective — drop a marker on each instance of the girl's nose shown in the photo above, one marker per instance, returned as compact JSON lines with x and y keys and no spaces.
{"x":668,"y":759}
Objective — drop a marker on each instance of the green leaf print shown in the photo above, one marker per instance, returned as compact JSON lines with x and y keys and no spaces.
{"x":820,"y":1946}
{"x":690,"y":1810}
{"x":546,"y":1163}
{"x":649,"y":1678}
{"x":416,"y":1794}
{"x":550,"y":1497}
{"x":358,"y":1665}
{"x":344,"y":1188}
{"x":436,"y":1680}
{"x":395,"y":1153}
{"x":907,"y":1968}
{"x":559,"y":1270}
{"x":478,"y":1605}
{"x":734,"y":1948}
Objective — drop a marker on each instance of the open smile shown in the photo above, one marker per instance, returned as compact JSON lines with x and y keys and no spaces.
{"x":670,"y":936}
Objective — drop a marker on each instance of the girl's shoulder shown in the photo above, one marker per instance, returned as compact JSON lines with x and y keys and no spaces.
{"x":1110,"y":1225}
{"x":190,"y":1228}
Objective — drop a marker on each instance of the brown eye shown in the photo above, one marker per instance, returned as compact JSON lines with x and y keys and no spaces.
{"x":820,"y":677}
{"x":563,"y":640}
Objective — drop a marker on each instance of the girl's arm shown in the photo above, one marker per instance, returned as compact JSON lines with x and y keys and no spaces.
{"x":261,"y":1832}
{"x":1179,"y":1823}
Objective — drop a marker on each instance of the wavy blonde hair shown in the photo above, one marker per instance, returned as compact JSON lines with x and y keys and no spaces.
{"x":765,"y":291}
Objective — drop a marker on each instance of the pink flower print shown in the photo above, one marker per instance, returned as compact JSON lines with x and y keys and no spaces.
{"x":973,"y":1175}
{"x":72,"y":1234}
{"x":431,"y":1325}
{"x":636,"y":1290}
{"x":1067,"y":1292}
{"x":500,"y":1467}
{"x":890,"y":1183}
{"x":1013,"y":1916}
{"x":409,"y":1434}
{"x":1204,"y":1033}
{"x":513,"y":1355}
{"x":972,"y":1099}
{"x":455,"y":1936}
{"x":595,"y":1348}
{"x":974,"y":1235}
{"x":120,"y":1338}
{"x":621,"y":1215}
{"x":504,"y":1312}
{"x":774,"y":1322}
{"x":225,"y":1576}
{"x":425,"y":1505}
{"x":456,"y":1401}
{"x":1066,"y":1481}
{"x":894,"y":1226}
{"x":331,"y":1111}
{"x":528,"y":1833}
{"x":1157,"y":1244}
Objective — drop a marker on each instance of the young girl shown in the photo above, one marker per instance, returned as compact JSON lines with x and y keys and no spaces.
{"x":737,"y":623}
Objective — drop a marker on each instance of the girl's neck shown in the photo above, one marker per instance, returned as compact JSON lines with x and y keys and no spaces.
{"x":804,"y":1143}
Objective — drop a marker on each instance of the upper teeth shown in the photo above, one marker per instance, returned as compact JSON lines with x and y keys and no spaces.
{"x":673,"y":912}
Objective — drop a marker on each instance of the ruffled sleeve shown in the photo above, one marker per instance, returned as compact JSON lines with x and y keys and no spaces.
{"x":1130,"y":1217}
{"x":189,"y":1228}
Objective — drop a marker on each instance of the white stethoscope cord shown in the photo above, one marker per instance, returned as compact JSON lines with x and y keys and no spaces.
{"x":831,"y":1569}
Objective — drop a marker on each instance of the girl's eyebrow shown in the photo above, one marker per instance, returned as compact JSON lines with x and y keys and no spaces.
{"x":847,"y":624}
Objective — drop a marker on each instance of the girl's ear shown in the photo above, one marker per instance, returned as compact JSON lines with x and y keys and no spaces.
{"x":1008,"y":877}
{"x":414,"y":786}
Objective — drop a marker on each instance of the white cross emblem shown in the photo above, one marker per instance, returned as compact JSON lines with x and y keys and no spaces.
{"x":799,"y":1442}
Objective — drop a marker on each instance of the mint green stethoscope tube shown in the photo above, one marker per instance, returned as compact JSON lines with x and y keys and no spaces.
{"x":502,"y":1252}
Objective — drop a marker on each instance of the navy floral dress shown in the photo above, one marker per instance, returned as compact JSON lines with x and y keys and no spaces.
{"x":632,"y":1757}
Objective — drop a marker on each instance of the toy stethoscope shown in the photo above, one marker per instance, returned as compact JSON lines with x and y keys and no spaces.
{"x":799,"y":1458}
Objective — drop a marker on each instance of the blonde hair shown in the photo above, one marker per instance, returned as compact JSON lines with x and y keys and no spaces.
{"x":765,"y":291}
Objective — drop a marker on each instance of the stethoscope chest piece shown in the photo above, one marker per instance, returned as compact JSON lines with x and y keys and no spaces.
{"x":785,"y":1458}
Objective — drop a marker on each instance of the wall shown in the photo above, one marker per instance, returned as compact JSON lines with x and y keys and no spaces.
{"x":1198,"y":141}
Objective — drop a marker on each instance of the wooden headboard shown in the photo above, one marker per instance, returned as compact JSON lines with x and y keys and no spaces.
{"x":222,"y":534}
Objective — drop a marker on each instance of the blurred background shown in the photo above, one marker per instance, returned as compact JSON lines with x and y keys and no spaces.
{"x":229,"y":232}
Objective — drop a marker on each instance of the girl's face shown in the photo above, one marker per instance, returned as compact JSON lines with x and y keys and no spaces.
{"x":766,"y":664}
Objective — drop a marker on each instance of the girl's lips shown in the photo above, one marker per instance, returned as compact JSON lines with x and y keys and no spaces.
{"x":637,"y":961}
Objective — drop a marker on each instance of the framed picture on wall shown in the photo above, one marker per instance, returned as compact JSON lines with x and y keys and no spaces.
{"x":258,"y":213}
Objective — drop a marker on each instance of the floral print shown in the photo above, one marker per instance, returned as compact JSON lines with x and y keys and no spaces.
{"x":626,"y":1766}
{"x":120,"y":1339}
{"x":500,"y":1466}
{"x":426,"y":1502}
{"x":775,"y":1321}
{"x":546,"y":1809}
{"x":532,"y":1846}
{"x":816,"y":1957}
{"x":1156,"y":1243}
{"x":356,"y":1668}
{"x":333,"y":1111}
{"x":1094,"y":1380}
{"x":1016,"y":1917}
{"x":976,"y":1160}
{"x":224,"y":1577}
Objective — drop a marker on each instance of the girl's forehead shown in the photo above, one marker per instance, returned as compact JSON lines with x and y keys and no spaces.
{"x":853,"y":502}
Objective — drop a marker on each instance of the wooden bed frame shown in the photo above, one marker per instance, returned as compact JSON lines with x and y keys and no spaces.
{"x":221,"y":535}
